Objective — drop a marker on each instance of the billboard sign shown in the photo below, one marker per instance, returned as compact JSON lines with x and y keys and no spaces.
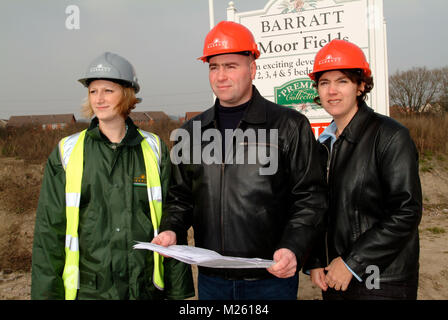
{"x":289,"y":33}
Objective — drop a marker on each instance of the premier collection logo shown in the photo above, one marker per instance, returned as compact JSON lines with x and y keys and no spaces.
{"x":298,"y":94}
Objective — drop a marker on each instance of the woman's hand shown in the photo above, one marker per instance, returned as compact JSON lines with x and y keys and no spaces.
{"x":318,"y":278}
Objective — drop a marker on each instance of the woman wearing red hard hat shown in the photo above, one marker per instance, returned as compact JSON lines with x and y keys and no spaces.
{"x":370,"y":249}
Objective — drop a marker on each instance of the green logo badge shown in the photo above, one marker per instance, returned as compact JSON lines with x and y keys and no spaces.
{"x":298,"y":94}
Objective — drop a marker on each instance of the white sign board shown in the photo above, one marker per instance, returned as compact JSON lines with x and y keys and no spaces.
{"x":289,"y":33}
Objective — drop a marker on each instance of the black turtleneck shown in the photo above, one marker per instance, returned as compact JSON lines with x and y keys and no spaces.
{"x":229,"y":118}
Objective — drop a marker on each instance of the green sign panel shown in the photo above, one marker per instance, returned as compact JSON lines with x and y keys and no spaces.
{"x":298,"y":94}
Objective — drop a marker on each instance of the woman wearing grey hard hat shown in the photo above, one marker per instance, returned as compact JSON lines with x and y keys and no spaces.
{"x":102,"y":191}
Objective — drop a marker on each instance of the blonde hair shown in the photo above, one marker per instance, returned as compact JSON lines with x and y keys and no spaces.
{"x":125,"y":106}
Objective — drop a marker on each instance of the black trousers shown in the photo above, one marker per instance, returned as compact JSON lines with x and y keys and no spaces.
{"x":392,"y":290}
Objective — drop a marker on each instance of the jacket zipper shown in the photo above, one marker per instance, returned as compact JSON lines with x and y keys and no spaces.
{"x":221,"y":214}
{"x":222,"y":183}
{"x":222,"y":206}
{"x":357,"y":231}
{"x":328,"y":176}
{"x":328,"y":162}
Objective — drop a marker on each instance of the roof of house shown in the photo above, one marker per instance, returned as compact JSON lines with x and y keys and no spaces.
{"x":148,"y":115}
{"x":191,"y":115}
{"x":17,"y":121}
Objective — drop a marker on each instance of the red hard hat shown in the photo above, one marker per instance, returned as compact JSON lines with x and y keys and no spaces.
{"x":340,"y":54}
{"x":229,"y":37}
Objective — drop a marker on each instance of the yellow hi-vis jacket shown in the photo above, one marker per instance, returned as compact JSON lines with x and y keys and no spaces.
{"x":72,"y":154}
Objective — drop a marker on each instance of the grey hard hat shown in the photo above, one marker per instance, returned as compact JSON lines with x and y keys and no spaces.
{"x":111,"y":66}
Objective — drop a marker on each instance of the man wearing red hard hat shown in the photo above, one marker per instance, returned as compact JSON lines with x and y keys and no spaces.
{"x":370,"y":249}
{"x":235,"y":207}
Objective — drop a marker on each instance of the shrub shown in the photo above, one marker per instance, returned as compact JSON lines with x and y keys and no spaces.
{"x":163,"y":129}
{"x":35,"y":144}
{"x":428,"y":131}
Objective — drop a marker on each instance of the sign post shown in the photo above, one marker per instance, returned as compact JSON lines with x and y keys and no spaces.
{"x":211,"y":13}
{"x":289,"y":33}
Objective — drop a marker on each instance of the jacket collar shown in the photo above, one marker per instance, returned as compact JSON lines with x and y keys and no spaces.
{"x":329,"y":133}
{"x":255,"y":112}
{"x":132,"y":137}
{"x":356,"y":126}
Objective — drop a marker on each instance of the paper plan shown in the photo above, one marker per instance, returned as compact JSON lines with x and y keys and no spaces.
{"x":204,"y":257}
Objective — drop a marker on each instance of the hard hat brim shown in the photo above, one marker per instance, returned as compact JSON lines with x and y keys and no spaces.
{"x":86,"y":81}
{"x":255,"y":54}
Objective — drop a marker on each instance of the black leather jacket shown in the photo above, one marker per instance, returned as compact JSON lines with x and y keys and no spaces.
{"x":375,"y":199}
{"x":238,"y":212}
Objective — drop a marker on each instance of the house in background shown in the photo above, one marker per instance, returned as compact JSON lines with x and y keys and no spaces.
{"x":189,"y":115}
{"x":147,"y":118}
{"x":50,"y":121}
{"x":3,"y":123}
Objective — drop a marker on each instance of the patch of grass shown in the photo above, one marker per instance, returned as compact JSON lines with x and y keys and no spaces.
{"x":428,"y":155}
{"x":426,"y":162}
{"x":426,"y":167}
{"x":436,"y":230}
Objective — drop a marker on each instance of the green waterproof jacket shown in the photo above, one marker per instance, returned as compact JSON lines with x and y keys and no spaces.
{"x":114,"y":214}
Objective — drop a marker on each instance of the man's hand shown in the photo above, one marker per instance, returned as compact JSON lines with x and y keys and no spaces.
{"x":338,"y":276}
{"x":165,"y":238}
{"x":285,"y":263}
{"x":318,"y":278}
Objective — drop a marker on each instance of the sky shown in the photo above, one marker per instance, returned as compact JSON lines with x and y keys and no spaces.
{"x":41,"y":59}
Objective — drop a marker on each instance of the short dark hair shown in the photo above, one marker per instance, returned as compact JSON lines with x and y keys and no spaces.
{"x":356,"y":76}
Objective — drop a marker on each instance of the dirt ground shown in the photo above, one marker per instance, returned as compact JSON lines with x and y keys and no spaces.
{"x":19,"y":190}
